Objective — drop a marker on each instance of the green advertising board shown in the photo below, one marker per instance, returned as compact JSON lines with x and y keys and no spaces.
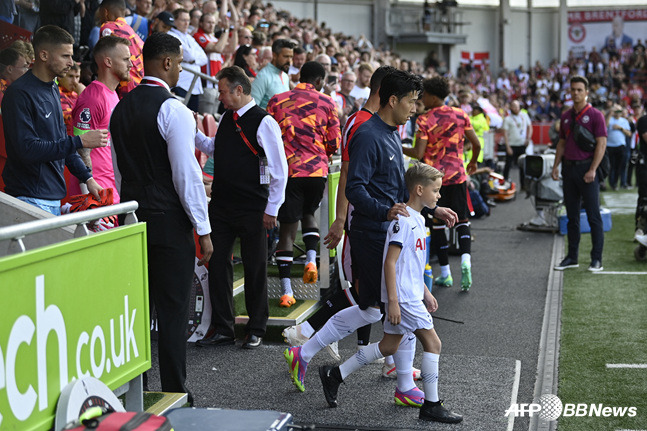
{"x":73,"y":309}
{"x":333,"y":183}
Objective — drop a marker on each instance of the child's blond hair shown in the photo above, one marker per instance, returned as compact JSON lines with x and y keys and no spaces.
{"x":421,"y":173}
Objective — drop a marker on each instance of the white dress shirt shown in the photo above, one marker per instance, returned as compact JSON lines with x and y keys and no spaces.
{"x":194,"y":58}
{"x":176,"y":124}
{"x":269,"y":138}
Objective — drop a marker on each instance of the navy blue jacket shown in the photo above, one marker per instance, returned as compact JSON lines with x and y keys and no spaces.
{"x":37,"y":145}
{"x":375,"y":174}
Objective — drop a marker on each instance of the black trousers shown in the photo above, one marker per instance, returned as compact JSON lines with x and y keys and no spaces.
{"x":171,"y":262}
{"x":577,"y":193}
{"x":226,"y":226}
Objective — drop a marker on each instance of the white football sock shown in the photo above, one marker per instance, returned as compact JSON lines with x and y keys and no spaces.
{"x":444,"y":271}
{"x":430,"y":376}
{"x":404,"y":362}
{"x":466,"y":258}
{"x":286,"y":286}
{"x":339,"y":326}
{"x":365,"y":355}
{"x":311,"y":256}
{"x":306,"y":329}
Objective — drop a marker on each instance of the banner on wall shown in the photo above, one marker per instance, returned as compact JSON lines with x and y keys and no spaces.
{"x":610,"y":29}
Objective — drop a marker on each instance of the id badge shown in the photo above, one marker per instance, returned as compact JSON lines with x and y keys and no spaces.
{"x":264,"y":170}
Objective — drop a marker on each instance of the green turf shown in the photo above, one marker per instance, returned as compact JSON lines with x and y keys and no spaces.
{"x":604,"y":320}
{"x":275,"y":310}
{"x":150,"y":398}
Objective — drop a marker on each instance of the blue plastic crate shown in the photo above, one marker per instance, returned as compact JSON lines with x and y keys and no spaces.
{"x":584,"y":222}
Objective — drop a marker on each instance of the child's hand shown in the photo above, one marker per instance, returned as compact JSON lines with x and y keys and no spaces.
{"x":394,"y":313}
{"x":431,"y":303}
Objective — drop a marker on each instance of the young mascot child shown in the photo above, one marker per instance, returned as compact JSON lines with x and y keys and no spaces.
{"x":407,"y":302}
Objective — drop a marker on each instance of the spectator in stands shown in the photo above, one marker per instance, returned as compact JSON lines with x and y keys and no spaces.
{"x":264,"y":56}
{"x":214,"y":48}
{"x":246,"y":60}
{"x":138,"y":21}
{"x":194,"y":58}
{"x":37,"y":146}
{"x":162,"y":23}
{"x":95,"y":105}
{"x":194,"y":21}
{"x":243,"y":204}
{"x":273,"y":78}
{"x":618,"y":130}
{"x":111,"y":15}
{"x":245,"y":36}
{"x":361,"y":91}
{"x":298,"y":60}
{"x":69,"y":87}
{"x":345,"y":102}
{"x":308,"y":145}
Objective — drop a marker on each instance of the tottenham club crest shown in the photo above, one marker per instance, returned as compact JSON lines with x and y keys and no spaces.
{"x":396,"y":227}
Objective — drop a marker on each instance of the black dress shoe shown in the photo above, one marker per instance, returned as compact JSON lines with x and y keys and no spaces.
{"x":216,"y":340}
{"x":568,"y":262}
{"x":252,"y":341}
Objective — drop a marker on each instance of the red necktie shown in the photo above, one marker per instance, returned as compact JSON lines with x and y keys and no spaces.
{"x":236,"y":116}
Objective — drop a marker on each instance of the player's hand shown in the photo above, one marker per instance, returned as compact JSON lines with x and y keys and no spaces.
{"x":335,"y":233}
{"x":94,"y":138}
{"x":394,"y":313}
{"x":94,"y":188}
{"x":396,"y":210}
{"x":269,"y":221}
{"x":589,"y":176}
{"x":447,"y":215}
{"x":471,"y":167}
{"x":555,"y":173}
{"x":206,"y":248}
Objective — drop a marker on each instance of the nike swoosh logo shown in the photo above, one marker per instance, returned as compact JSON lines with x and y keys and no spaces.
{"x":391,"y":158}
{"x":48,"y":114}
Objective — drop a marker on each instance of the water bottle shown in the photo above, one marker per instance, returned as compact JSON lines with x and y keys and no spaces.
{"x":429,"y":278}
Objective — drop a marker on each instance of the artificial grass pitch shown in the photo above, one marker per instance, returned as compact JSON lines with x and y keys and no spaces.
{"x":604,"y":321}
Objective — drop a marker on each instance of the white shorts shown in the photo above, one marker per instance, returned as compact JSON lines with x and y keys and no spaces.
{"x":414,"y":315}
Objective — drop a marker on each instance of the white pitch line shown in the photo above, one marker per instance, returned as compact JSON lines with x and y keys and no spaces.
{"x":626,"y":365}
{"x":621,"y":272}
{"x":515,"y":392}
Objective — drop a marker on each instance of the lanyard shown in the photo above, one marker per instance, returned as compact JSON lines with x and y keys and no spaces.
{"x":242,"y":135}
{"x":151,"y":82}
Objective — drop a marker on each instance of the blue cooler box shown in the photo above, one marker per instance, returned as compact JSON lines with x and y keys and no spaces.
{"x":584,"y":223}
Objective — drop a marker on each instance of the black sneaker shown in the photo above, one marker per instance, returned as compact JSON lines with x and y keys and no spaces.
{"x":568,"y":262}
{"x":438,"y":413}
{"x":330,"y":384}
{"x":595,"y":266}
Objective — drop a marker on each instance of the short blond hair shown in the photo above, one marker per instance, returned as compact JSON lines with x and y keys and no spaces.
{"x":421,"y":174}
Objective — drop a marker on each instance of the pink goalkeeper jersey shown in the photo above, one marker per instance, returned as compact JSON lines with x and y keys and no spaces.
{"x":92,"y":111}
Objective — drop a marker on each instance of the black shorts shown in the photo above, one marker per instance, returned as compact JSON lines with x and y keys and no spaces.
{"x":454,"y":197}
{"x":367,"y":250}
{"x":302,"y":197}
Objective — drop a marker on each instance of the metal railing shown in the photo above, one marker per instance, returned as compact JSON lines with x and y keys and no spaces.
{"x":196,"y":75}
{"x":17,"y":232}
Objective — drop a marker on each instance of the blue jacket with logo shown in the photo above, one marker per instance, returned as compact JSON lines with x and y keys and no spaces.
{"x":37,"y":145}
{"x":375,"y":174}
